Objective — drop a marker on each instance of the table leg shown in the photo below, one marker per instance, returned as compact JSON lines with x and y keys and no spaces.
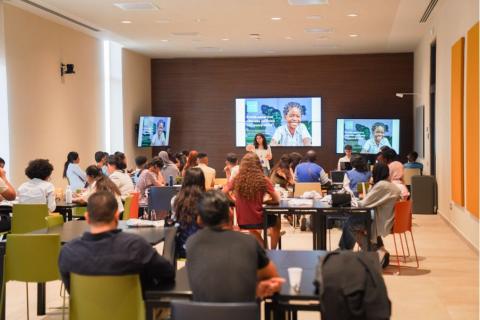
{"x":369,"y":230}
{"x":321,"y":226}
{"x":2,"y":254}
{"x":265,"y":233}
{"x":41,"y":293}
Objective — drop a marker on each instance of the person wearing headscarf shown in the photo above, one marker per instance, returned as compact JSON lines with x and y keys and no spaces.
{"x":169,"y":168}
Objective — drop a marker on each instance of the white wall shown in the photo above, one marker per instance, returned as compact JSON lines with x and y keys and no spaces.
{"x":450,"y":21}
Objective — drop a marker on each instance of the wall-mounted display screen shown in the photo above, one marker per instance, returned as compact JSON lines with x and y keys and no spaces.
{"x":368,"y":135}
{"x":153,"y":131}
{"x":289,"y":122}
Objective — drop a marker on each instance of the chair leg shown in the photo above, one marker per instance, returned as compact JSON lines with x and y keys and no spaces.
{"x":63,"y":307}
{"x":396,"y":252}
{"x":329,"y":241}
{"x":403,"y":251}
{"x":414,"y":249}
{"x":28,"y":310}
{"x":406,"y":243}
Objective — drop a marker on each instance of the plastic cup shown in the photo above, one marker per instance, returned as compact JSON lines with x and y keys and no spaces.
{"x":295,"y":278}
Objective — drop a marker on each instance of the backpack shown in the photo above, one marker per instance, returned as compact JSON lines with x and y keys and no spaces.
{"x":351,"y":286}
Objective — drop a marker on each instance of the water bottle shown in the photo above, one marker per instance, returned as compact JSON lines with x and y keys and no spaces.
{"x":68,"y":195}
{"x":170,"y":181}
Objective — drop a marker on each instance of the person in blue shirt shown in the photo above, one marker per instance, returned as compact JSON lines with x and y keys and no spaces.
{"x":412,"y":162}
{"x":309,"y":171}
{"x":75,"y":175}
{"x":358,"y":174}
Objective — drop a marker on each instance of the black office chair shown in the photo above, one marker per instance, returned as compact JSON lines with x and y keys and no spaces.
{"x":188,"y":310}
{"x":169,"y":246}
{"x":159,"y":198}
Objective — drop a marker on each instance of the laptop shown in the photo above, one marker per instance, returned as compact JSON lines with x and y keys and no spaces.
{"x":337,"y":176}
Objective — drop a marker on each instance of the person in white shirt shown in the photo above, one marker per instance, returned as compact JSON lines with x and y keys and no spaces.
{"x":231,"y":166}
{"x":7,"y":191}
{"x":208,"y":172}
{"x":75,"y":175}
{"x":160,"y":137}
{"x":116,"y":169}
{"x":38,"y":190}
{"x":346,"y":158}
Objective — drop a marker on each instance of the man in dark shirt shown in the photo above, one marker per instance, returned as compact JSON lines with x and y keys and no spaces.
{"x":225,"y":265}
{"x":106,"y":250}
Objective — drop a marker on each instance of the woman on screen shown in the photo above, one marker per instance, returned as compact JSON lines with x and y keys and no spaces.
{"x":294,"y":132}
{"x":159,"y":138}
{"x":377,"y":140}
{"x":263,"y":151}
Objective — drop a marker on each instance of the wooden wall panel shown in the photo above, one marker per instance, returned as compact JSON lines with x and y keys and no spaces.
{"x":199,"y":95}
{"x":456,"y":119}
{"x":472,"y":122}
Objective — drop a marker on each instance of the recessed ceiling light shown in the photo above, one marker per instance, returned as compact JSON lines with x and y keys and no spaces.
{"x":136,"y":6}
{"x":276,"y":18}
{"x":162,"y":21}
{"x":225,"y":39}
{"x":352,"y":15}
{"x":198,"y":20}
{"x":353,"y":35}
{"x":319,"y":30}
{"x":126,"y":21}
{"x":288,"y":38}
{"x":164,"y":40}
{"x":306,"y":2}
{"x":314,"y":17}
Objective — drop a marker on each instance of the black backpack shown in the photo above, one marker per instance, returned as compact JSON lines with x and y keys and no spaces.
{"x":351,"y":286}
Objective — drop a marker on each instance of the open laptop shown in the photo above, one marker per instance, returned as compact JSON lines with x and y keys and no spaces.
{"x":337,"y":177}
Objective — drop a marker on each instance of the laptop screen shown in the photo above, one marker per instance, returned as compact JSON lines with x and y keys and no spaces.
{"x":337,"y":176}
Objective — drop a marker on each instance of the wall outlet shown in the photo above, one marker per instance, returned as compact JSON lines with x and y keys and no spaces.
{"x":451,"y":206}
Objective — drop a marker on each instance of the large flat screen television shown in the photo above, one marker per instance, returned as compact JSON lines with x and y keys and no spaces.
{"x":368,"y":135}
{"x":153,"y":131}
{"x":288,"y":122}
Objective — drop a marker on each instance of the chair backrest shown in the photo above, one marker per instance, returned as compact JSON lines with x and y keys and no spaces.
{"x":53,"y":220}
{"x":302,"y":187}
{"x":159,"y":198}
{"x":32,"y":257}
{"x":28,"y":217}
{"x":134,"y":206}
{"x":182,"y":310}
{"x":79,"y":212}
{"x":106,"y":297}
{"x":127,"y":207}
{"x":408,"y":173}
{"x":169,"y":246}
{"x":363,"y":186}
{"x":403,"y":217}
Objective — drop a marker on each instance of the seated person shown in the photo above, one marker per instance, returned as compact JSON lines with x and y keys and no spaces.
{"x":116,"y":169}
{"x":225,"y":265}
{"x":231,"y":166}
{"x":396,"y":171}
{"x":382,"y":197}
{"x":169,"y":168}
{"x":309,"y":171}
{"x":38,"y":190}
{"x":294,"y":132}
{"x":140,"y":164}
{"x":101,"y":161}
{"x":412,"y":162}
{"x":358,"y":174}
{"x":7,"y":192}
{"x":346,"y":158}
{"x":282,"y":173}
{"x":208,"y":172}
{"x":106,"y":250}
{"x":152,"y":177}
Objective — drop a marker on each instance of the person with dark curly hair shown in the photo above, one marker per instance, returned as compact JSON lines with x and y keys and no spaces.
{"x":38,"y":190}
{"x":294,"y":132}
{"x":378,"y":140}
{"x":249,"y":188}
{"x":116,"y":168}
{"x":185,"y":207}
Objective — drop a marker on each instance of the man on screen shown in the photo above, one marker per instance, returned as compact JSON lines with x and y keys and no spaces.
{"x":377,"y":140}
{"x":159,"y":138}
{"x":294,"y":132}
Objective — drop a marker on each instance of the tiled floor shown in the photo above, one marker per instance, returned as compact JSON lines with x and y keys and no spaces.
{"x":444,"y":287}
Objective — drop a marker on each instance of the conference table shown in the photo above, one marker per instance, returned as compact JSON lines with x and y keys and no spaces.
{"x":66,"y":209}
{"x":74,"y":229}
{"x":286,"y":301}
{"x":319,"y":211}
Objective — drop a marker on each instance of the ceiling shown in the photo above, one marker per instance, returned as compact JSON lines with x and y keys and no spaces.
{"x":224,"y":28}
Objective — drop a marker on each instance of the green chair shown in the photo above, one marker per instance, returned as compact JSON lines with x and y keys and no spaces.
{"x":31,"y":258}
{"x":127,"y":207}
{"x":106,"y":297}
{"x":54,"y":220}
{"x":28,"y":217}
{"x":79,"y":212}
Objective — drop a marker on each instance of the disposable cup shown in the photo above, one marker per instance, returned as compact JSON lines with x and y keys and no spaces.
{"x":295,"y":278}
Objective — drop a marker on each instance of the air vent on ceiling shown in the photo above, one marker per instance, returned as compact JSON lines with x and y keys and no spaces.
{"x":319,"y":30}
{"x":307,"y":2}
{"x":428,"y":11}
{"x":136,"y":6}
{"x":185,"y":34}
{"x":59,"y":15}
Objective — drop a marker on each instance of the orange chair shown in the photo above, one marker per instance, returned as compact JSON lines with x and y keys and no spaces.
{"x":402,"y":224}
{"x":134,"y":206}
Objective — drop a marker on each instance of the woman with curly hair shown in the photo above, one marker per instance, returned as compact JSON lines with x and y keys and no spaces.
{"x":185,"y":207}
{"x":249,"y":188}
{"x":191,"y":161}
{"x":39,"y":189}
